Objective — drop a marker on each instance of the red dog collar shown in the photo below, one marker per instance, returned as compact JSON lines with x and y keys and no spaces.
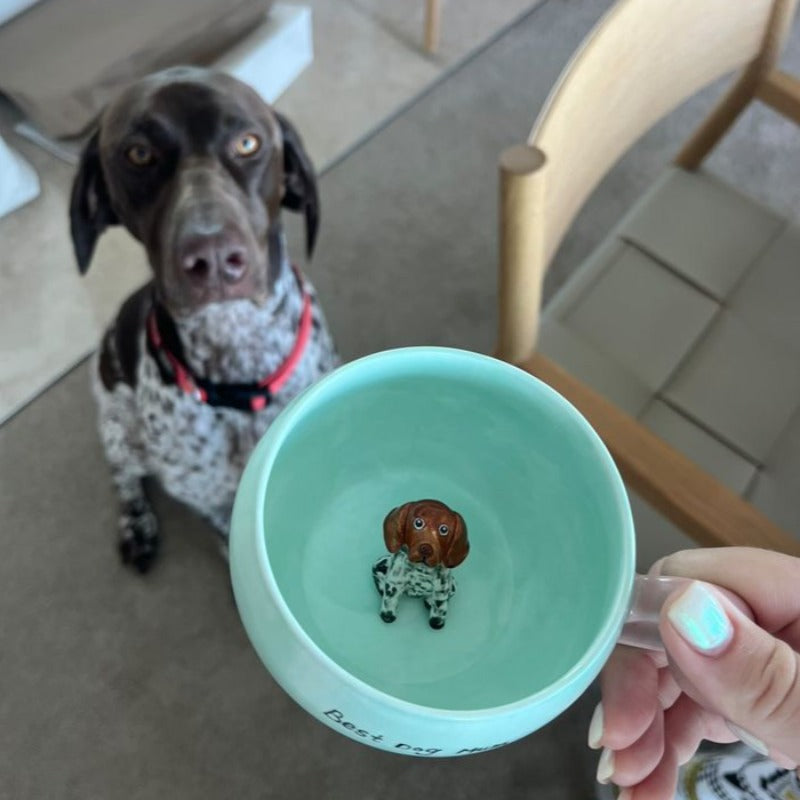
{"x":164,"y":344}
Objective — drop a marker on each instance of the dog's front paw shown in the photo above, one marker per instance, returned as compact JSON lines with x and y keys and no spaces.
{"x":436,"y":623}
{"x":138,"y":540}
{"x":387,"y":616}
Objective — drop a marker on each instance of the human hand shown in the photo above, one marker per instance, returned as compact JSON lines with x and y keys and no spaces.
{"x":731,"y":672}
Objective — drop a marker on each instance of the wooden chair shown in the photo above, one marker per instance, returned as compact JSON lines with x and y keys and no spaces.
{"x":641,"y":61}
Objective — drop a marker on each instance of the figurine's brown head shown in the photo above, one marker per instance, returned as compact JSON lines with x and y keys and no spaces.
{"x":433,"y":533}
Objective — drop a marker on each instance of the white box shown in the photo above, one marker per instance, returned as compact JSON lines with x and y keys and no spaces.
{"x":275,"y":53}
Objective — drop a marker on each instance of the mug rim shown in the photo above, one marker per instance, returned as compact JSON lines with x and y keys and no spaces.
{"x":603,"y":639}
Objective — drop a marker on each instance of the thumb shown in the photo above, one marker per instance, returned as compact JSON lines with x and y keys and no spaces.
{"x":735,"y":668}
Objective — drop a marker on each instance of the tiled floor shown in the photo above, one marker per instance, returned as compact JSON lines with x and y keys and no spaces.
{"x":691,"y":300}
{"x":368,"y":63}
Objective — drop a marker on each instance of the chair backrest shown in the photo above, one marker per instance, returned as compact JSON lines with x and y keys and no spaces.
{"x":642,"y":60}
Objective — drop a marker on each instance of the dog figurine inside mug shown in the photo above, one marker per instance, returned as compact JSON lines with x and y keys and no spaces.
{"x":425,"y":540}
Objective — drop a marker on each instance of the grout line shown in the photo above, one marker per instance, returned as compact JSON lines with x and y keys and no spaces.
{"x":780,"y":229}
{"x":752,"y":484}
{"x":734,"y":448}
{"x":674,"y":271}
{"x":759,"y":257}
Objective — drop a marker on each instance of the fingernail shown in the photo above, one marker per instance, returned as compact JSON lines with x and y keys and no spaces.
{"x":748,"y":738}
{"x":700,"y":619}
{"x":656,"y":568}
{"x":625,"y":794}
{"x":785,"y":762}
{"x":596,"y":727}
{"x":605,"y":767}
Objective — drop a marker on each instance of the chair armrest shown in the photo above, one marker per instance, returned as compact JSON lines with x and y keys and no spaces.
{"x":674,"y":485}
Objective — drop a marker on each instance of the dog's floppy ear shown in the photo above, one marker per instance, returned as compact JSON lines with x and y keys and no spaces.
{"x":459,"y":543}
{"x":90,"y":211}
{"x":300,"y":182}
{"x":394,"y":528}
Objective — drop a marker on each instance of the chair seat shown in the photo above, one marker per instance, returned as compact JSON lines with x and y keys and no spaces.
{"x":686,"y":317}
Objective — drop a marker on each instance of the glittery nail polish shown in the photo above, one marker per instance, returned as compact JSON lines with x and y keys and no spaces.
{"x":700,"y":619}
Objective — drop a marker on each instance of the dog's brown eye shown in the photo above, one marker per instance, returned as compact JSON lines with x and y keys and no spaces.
{"x":444,"y":530}
{"x":247,"y":145}
{"x":140,"y":155}
{"x":419,"y":524}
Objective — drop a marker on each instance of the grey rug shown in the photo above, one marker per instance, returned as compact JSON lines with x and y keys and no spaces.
{"x":115,"y":686}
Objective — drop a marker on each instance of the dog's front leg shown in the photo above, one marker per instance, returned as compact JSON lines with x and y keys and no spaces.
{"x":138,"y":527}
{"x":390,"y":577}
{"x":390,"y":601}
{"x":438,"y":610}
{"x":443,"y":588}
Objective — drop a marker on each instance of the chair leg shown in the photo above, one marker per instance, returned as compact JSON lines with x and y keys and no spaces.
{"x":522,"y":251}
{"x":715,"y":126}
{"x":433,"y":19}
{"x":742,"y":93}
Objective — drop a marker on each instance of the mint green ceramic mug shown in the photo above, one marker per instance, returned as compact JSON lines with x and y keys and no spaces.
{"x":541,"y":600}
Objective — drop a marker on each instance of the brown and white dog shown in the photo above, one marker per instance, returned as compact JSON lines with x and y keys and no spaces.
{"x":199,"y":361}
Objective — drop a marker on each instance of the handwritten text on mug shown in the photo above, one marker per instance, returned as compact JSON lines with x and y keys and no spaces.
{"x":338,"y":717}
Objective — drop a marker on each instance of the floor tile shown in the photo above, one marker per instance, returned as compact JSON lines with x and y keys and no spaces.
{"x":708,"y":452}
{"x":643,"y":316}
{"x":580,"y":358}
{"x":581,"y":280}
{"x":769,"y":296}
{"x":739,"y":384}
{"x":703,"y":229}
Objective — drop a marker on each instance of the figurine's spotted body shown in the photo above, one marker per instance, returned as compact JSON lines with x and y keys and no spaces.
{"x":395,"y":575}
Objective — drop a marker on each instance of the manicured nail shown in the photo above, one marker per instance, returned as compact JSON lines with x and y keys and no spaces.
{"x":700,"y":619}
{"x":605,"y":767}
{"x":748,"y":738}
{"x":596,"y":728}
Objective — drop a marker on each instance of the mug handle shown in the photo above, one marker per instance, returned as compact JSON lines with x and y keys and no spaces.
{"x":650,"y":592}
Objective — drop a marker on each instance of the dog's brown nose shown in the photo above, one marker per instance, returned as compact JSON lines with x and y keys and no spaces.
{"x":207,"y":257}
{"x":425,"y":550}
